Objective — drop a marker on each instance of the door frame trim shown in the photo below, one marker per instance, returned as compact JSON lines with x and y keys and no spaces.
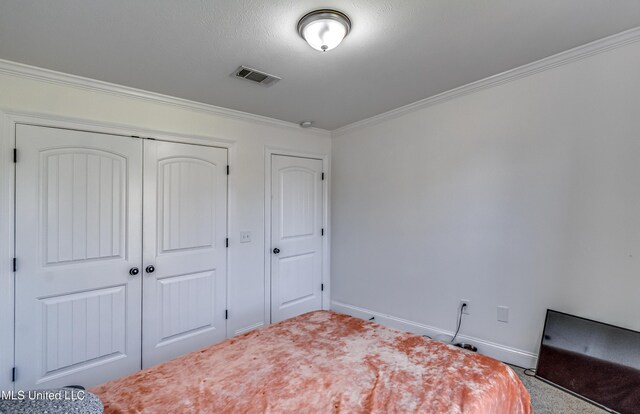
{"x":8,"y":120}
{"x":7,"y":244}
{"x":326,"y":221}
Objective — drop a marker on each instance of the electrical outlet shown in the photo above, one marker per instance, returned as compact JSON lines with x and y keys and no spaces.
{"x":245,"y":237}
{"x":467,"y":309}
{"x":503,"y":314}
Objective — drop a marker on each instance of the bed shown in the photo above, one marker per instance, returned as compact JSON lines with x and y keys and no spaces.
{"x":322,"y":362}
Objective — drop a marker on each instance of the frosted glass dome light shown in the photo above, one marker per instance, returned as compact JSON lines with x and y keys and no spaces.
{"x":324,"y":29}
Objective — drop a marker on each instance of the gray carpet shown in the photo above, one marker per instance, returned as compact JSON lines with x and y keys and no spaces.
{"x":547,"y":399}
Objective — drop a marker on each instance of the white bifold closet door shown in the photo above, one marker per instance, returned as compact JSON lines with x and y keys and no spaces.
{"x":296,"y":236}
{"x":185,"y":230}
{"x":120,"y":246}
{"x":78,"y":235}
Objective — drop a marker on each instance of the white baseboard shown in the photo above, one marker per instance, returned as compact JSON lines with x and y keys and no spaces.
{"x":248,"y":328}
{"x":500,"y":352}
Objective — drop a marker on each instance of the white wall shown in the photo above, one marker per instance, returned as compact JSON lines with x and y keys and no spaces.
{"x":526,"y":195}
{"x":246,"y":261}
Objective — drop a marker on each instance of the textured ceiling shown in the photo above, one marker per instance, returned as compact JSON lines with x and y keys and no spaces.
{"x":398,"y":51}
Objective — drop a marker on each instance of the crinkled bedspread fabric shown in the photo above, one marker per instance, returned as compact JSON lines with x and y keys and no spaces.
{"x":322,"y":362}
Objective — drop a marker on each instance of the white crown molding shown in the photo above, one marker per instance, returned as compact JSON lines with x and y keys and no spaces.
{"x":500,"y":352}
{"x":581,"y":52}
{"x":10,"y":68}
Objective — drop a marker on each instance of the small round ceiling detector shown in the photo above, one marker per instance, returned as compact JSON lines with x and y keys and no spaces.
{"x":324,"y":29}
{"x":306,"y":124}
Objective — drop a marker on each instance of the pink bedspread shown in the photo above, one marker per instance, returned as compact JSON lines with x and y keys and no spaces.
{"x":322,"y":362}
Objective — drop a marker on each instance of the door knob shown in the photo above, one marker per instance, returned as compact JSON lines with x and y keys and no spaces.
{"x":276,"y":251}
{"x":150,"y":269}
{"x":134,"y":271}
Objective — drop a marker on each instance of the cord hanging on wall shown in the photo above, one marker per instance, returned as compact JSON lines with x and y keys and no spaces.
{"x":460,"y":313}
{"x":462,"y":345}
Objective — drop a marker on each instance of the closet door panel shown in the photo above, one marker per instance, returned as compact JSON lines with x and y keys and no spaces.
{"x":185,"y":203}
{"x":296,"y":236}
{"x":78,"y":233}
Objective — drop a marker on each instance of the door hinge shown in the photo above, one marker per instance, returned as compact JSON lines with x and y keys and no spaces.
{"x":228,"y":168}
{"x":226,"y":314}
{"x":322,"y":232}
{"x":15,"y":264}
{"x":322,"y":287}
{"x":13,"y":374}
{"x":15,"y":155}
{"x":322,"y":176}
{"x":227,"y":242}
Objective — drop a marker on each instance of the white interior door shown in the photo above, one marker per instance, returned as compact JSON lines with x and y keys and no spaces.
{"x":185,"y":231}
{"x":78,"y":232}
{"x":296,"y":239}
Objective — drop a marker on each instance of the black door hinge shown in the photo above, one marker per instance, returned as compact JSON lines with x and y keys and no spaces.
{"x":226,"y":314}
{"x":322,"y":176}
{"x":15,"y":264}
{"x":227,"y":242}
{"x":228,"y":168}
{"x":322,"y":232}
{"x":15,"y":155}
{"x":13,"y":374}
{"x":322,"y":287}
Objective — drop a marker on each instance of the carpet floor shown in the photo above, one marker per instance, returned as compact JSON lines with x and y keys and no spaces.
{"x":547,"y":399}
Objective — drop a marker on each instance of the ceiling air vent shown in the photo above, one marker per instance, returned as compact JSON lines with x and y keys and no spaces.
{"x":255,"y":76}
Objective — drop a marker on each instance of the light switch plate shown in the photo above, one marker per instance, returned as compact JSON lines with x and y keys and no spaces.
{"x":245,"y":237}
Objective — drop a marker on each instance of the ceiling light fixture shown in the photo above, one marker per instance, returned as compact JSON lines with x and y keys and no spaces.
{"x":324,"y":29}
